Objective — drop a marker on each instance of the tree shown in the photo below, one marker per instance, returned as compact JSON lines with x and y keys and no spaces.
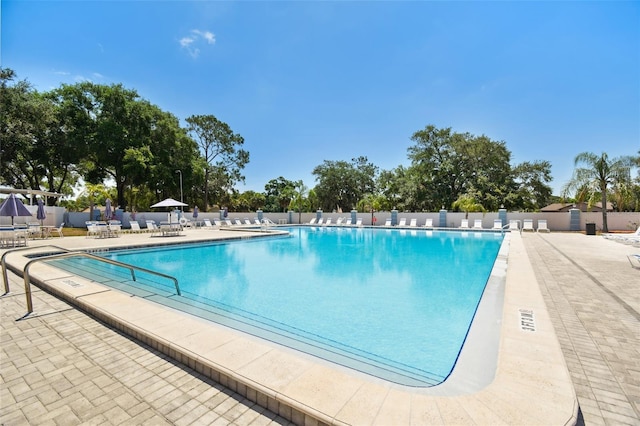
{"x":597,"y":175}
{"x":341,"y":184}
{"x":299,"y":201}
{"x":35,"y":151}
{"x":452,"y":164}
{"x":221,"y":150}
{"x":532,"y":192}
{"x":468,"y":203}
{"x":279,"y":193}
{"x":123,"y":138}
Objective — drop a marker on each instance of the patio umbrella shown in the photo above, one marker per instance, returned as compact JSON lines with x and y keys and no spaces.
{"x":41,"y":214}
{"x":195,"y":212}
{"x":12,"y":206}
{"x":169,"y":202}
{"x":108,"y":214}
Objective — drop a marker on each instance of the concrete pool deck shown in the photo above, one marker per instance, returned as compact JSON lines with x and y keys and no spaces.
{"x":572,"y":274}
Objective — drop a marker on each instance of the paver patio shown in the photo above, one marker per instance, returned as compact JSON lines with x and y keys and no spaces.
{"x":61,"y":366}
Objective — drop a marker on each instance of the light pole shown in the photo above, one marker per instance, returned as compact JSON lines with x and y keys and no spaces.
{"x":181,"y":199}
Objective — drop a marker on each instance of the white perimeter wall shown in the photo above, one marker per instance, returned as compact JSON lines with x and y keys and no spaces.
{"x":555,"y":221}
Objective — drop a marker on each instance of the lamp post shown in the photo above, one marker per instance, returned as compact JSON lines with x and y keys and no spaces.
{"x":181,"y":199}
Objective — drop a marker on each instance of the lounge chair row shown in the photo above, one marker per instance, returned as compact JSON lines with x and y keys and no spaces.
{"x":101,"y":229}
{"x":342,"y":221}
{"x":632,"y":239}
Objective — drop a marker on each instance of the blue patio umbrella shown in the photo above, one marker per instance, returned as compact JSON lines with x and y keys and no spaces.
{"x":41,"y":214}
{"x":108,"y":214}
{"x":195,"y":212}
{"x":12,"y":206}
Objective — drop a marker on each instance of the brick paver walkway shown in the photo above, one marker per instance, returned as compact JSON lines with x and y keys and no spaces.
{"x":593,"y":296}
{"x":61,"y":367}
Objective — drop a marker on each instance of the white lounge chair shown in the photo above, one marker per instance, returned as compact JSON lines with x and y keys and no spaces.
{"x":403,"y":221}
{"x":313,"y":221}
{"x":152,"y":227}
{"x":413,"y":222}
{"x":135,"y":227}
{"x":623,"y":237}
{"x":339,"y":221}
{"x":247,"y":221}
{"x":58,"y":230}
{"x":348,"y":223}
{"x":542,"y":226}
{"x":428,"y":223}
{"x":237,"y":222}
{"x":207,"y":224}
{"x":320,"y":221}
{"x":328,"y":222}
{"x":477,"y":224}
{"x":527,"y":225}
{"x":464,"y":224}
{"x":497,"y":224}
{"x":387,"y":222}
{"x":514,"y":225}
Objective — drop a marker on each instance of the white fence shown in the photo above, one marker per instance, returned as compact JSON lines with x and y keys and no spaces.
{"x":555,"y":221}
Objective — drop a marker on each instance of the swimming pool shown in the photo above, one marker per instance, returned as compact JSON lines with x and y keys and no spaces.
{"x":396,"y":304}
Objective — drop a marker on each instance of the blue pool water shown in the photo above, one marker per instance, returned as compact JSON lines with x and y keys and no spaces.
{"x":398,"y":302}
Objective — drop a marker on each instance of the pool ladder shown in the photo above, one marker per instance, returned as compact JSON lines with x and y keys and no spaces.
{"x":66,"y":253}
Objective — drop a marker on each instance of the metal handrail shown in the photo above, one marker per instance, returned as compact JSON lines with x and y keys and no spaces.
{"x":4,"y":263}
{"x":27,"y":280}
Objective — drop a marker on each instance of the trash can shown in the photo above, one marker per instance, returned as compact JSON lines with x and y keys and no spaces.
{"x":591,"y":228}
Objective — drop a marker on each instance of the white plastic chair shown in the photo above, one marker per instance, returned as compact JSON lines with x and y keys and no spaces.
{"x":58,"y":230}
{"x":542,"y":225}
{"x":527,"y":225}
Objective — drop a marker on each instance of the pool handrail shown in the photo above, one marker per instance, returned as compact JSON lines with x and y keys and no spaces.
{"x":27,"y":279}
{"x":4,"y":263}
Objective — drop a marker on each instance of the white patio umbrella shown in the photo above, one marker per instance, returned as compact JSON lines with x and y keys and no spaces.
{"x":169,"y":202}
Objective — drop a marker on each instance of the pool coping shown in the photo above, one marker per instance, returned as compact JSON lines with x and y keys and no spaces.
{"x":531,"y":384}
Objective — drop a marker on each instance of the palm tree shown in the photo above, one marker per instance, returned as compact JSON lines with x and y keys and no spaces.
{"x":598,"y":174}
{"x":468,"y":203}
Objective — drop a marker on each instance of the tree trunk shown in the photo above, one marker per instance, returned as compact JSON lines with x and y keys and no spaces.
{"x":605,"y":228}
{"x":206,"y":190}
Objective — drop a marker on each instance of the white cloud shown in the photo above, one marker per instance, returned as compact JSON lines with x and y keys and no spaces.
{"x":186,"y":41}
{"x":191,"y":42}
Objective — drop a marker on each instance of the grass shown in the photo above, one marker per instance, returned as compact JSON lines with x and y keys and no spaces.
{"x":74,"y":232}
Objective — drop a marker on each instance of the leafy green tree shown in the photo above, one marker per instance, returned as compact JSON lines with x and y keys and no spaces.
{"x":299,"y":202}
{"x":532,"y":189}
{"x":221,"y":149}
{"x":453,"y":164}
{"x":341,"y":184}
{"x":468,"y":203}
{"x":35,"y":151}
{"x":250,"y":201}
{"x":279,"y":193}
{"x":388,"y":185}
{"x":123,"y":138}
{"x":597,"y":175}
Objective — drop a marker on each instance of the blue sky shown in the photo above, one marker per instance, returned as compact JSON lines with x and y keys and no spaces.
{"x":305,"y":82}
